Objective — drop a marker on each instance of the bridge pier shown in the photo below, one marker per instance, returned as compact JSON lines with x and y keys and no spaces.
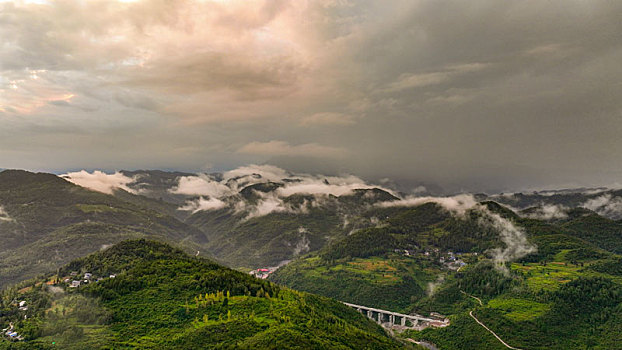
{"x":383,"y":317}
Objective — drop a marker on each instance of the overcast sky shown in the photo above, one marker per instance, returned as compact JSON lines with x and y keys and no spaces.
{"x":473,"y":95}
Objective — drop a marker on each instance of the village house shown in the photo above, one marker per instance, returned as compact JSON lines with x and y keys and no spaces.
{"x":261,"y":273}
{"x":11,"y":334}
{"x":22,"y":305}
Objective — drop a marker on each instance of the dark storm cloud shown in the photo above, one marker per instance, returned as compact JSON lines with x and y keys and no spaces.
{"x":475,"y":95}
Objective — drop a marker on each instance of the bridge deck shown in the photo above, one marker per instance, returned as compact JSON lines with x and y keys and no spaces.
{"x":415,"y":317}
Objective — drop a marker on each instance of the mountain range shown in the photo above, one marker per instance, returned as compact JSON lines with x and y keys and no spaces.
{"x":529,"y":258}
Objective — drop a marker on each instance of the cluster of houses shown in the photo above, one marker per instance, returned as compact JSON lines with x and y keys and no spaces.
{"x":262,"y":273}
{"x":449,"y":260}
{"x":87,"y":278}
{"x":11,"y":334}
{"x":73,"y":282}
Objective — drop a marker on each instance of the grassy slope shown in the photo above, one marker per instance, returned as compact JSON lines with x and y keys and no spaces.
{"x":584,"y":313}
{"x":392,"y":283}
{"x":162,"y":298}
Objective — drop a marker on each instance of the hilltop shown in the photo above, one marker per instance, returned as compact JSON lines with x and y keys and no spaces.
{"x":149,"y":295}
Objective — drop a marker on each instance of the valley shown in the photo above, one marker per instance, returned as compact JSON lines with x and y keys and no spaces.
{"x":474,"y":270}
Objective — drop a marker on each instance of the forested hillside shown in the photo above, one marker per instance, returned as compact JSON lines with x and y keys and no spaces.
{"x":148,"y":295}
{"x":566,"y":294}
{"x":392,"y":265}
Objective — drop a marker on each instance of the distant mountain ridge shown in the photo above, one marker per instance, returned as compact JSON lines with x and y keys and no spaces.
{"x":49,"y":221}
{"x":260,"y":216}
{"x":263,"y":216}
{"x":46,"y":221}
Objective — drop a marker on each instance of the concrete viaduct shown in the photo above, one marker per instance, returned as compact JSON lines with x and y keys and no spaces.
{"x":388,"y":318}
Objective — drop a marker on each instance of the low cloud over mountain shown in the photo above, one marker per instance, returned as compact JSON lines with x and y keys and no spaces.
{"x":258,"y":190}
{"x":100,"y":181}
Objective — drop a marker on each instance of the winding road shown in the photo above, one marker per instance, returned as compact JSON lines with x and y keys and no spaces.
{"x":483,"y":325}
{"x":476,"y":298}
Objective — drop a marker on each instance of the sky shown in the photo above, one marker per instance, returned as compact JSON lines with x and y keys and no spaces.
{"x":464,"y":95}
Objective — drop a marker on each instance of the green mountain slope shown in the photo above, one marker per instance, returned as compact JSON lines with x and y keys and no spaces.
{"x":535,"y":306}
{"x":602,"y":232}
{"x":267,"y":240}
{"x":48,"y":221}
{"x":567,"y":294}
{"x":393,"y":265}
{"x":162,"y":298}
